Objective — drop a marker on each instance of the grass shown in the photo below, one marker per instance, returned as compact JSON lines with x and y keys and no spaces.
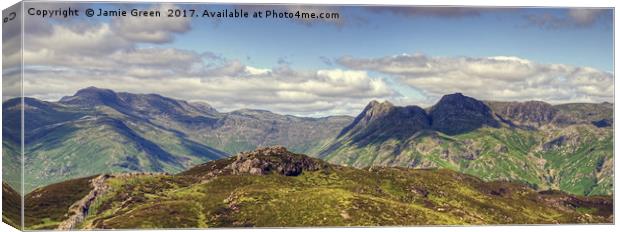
{"x":342,"y":196}
{"x":11,"y":206}
{"x":500,"y":154}
{"x":46,"y":207}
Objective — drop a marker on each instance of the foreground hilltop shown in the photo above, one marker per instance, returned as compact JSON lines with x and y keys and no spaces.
{"x":274,"y":187}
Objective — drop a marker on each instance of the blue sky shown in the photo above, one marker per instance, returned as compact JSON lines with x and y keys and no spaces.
{"x":406,"y":55}
{"x":501,"y":32}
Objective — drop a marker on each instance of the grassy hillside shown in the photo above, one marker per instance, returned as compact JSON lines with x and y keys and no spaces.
{"x":581,"y":163}
{"x":272,"y":187}
{"x":46,"y":207}
{"x":11,"y":206}
{"x":106,"y":144}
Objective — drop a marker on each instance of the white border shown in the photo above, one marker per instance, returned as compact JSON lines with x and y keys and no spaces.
{"x":564,"y":3}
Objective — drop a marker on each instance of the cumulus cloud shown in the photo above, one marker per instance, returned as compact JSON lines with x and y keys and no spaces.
{"x":492,"y":78}
{"x":62,"y":58}
{"x":111,"y":47}
{"x":76,"y":38}
{"x":149,"y":29}
{"x":570,"y":18}
{"x":312,"y":93}
{"x":84,"y":37}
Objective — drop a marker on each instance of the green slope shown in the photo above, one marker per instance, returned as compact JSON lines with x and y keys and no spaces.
{"x":108,"y":145}
{"x":581,"y":166}
{"x":294,"y":190}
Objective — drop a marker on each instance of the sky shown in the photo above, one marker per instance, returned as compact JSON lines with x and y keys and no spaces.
{"x":320,"y":67}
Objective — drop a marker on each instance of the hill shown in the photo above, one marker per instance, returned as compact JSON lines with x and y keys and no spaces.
{"x":272,"y":187}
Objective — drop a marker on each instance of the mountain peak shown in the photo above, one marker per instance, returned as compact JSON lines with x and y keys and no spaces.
{"x":93,"y":89}
{"x":457,"y":113}
{"x":91,"y":96}
{"x":376,"y":108}
{"x":375,"y":103}
{"x":455,"y":97}
{"x":380,"y":121}
{"x":95,"y":92}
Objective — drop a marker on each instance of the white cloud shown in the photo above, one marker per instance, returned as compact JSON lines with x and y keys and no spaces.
{"x":151,"y":29}
{"x":318,"y":93}
{"x":571,"y":18}
{"x":75,"y":39}
{"x":584,"y":16}
{"x":64,"y":57}
{"x":257,"y":71}
{"x":493,"y":78}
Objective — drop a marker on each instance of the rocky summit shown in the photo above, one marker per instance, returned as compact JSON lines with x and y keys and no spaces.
{"x":262,"y":161}
{"x":388,"y":120}
{"x":456,"y":113}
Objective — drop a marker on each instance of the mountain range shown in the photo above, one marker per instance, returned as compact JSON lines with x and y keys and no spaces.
{"x":566,"y":147}
{"x":102,"y":131}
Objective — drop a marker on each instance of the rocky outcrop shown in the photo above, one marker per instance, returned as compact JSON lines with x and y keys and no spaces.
{"x":554,"y":143}
{"x":275,"y":159}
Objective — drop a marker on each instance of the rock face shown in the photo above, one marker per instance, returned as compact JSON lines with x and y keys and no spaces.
{"x":456,"y":113}
{"x":530,"y":113}
{"x":275,"y":159}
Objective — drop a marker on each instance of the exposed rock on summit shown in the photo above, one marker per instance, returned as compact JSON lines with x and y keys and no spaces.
{"x":262,"y":161}
{"x":275,"y":159}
